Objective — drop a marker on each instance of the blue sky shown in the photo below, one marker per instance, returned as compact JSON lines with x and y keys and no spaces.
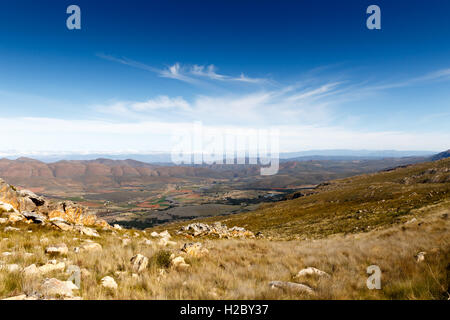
{"x":139,"y":70}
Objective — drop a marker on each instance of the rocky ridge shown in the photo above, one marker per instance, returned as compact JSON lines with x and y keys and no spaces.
{"x":26,"y":206}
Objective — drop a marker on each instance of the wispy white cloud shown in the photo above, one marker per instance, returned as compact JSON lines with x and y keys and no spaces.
{"x":210,"y":72}
{"x":185,"y":73}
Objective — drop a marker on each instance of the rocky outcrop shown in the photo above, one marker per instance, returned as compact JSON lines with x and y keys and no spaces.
{"x":217,"y":229}
{"x":20,"y":205}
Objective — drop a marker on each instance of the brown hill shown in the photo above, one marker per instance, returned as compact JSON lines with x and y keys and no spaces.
{"x":83,"y":175}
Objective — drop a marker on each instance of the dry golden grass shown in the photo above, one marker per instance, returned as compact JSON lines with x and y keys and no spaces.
{"x":241,"y":269}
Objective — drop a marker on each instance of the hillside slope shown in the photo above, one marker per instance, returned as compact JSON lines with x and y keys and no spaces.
{"x":350,"y":205}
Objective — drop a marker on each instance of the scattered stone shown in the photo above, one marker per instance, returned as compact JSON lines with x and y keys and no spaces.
{"x":3,"y":220}
{"x":216,"y":229}
{"x":20,"y":297}
{"x":291,"y":286}
{"x":6,"y":254}
{"x":52,"y":265}
{"x":194,"y":249}
{"x":57,"y":249}
{"x":147,"y":242}
{"x":420,"y":256}
{"x":139,"y":263}
{"x":165,"y":242}
{"x":179,"y":264}
{"x":90,"y":246}
{"x":311,"y":271}
{"x":7,"y":229}
{"x":30,"y":270}
{"x":87,"y":231}
{"x":109,"y":283}
{"x":61,"y":224}
{"x":126,"y":242}
{"x":10,"y":267}
{"x":117,"y":227}
{"x":411,"y":221}
{"x":57,"y":288}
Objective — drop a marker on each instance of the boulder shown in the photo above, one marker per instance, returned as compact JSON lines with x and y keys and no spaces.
{"x":179,"y":264}
{"x":61,"y":224}
{"x":7,"y":229}
{"x":90,"y":246}
{"x":194,"y":249}
{"x":30,"y":270}
{"x":165,"y":242}
{"x":87,"y":231}
{"x":109,"y":283}
{"x":57,"y":249}
{"x":420,"y":257}
{"x":139,"y":263}
{"x":51,"y":266}
{"x":117,"y":227}
{"x":311,"y":271}
{"x":56,"y":288}
{"x":10,"y":267}
{"x":35,"y":217}
{"x":291,"y":286}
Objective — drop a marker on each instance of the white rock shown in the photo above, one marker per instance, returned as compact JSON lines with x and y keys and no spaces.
{"x":87,"y":231}
{"x":139,"y":263}
{"x":420,"y":256}
{"x":57,"y":249}
{"x":291,"y":286}
{"x":109,"y":283}
{"x":56,"y":288}
{"x":312,"y":271}
{"x":7,"y":229}
{"x":179,"y":263}
{"x":49,"y":267}
{"x":6,"y":207}
{"x":11,"y":267}
{"x":90,"y":246}
{"x":31,"y":270}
